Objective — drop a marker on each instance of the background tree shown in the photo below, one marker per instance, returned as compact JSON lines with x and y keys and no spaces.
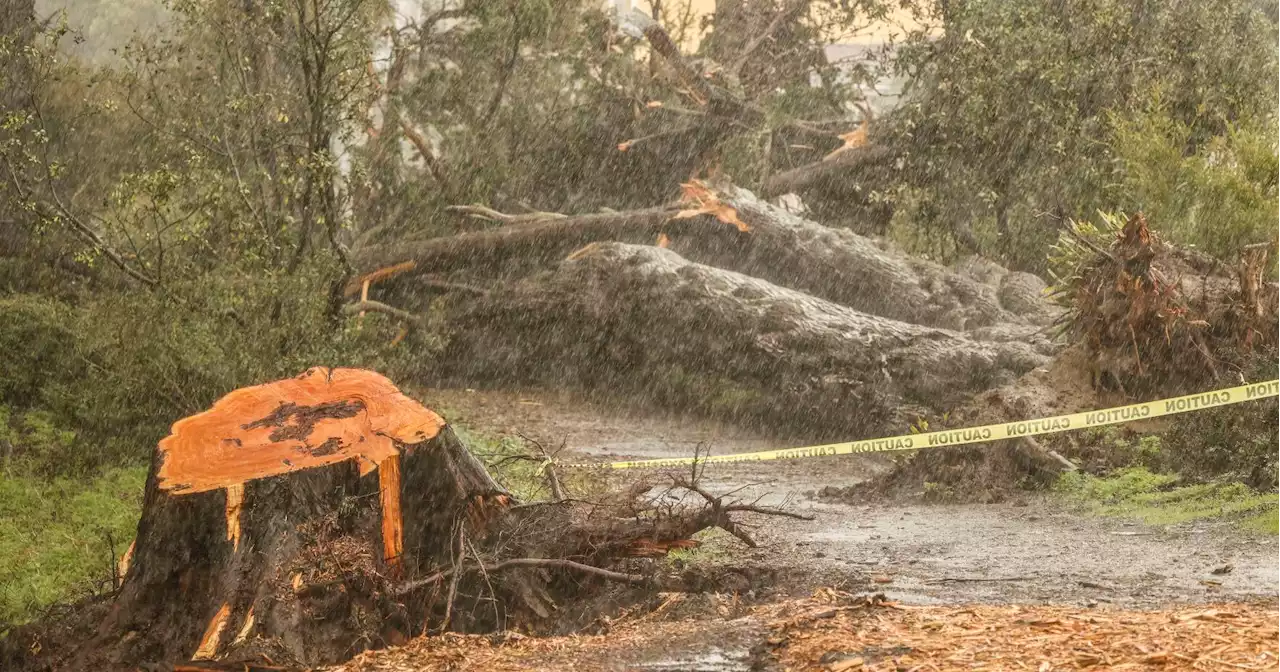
{"x":1012,"y":109}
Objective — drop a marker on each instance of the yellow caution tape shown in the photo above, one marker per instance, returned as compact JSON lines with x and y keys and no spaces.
{"x":1008,"y":430}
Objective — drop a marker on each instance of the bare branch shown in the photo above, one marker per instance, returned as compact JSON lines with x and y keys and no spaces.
{"x":489,"y":214}
{"x":504,"y":77}
{"x":515,"y":563}
{"x":766,"y":510}
{"x":379,"y":307}
{"x":785,"y":14}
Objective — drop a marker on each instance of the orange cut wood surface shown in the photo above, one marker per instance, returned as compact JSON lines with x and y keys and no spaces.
{"x":321,"y":417}
{"x":392,"y":523}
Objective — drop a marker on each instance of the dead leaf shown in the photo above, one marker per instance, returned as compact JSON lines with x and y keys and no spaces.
{"x":882,"y":578}
{"x":653,"y":103}
{"x":663,"y":241}
{"x":624,"y":146}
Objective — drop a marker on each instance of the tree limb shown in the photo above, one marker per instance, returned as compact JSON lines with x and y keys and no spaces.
{"x":504,"y":76}
{"x":489,"y":214}
{"x":542,"y":241}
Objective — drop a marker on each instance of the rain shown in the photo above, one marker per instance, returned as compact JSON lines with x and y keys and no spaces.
{"x":713,"y":335}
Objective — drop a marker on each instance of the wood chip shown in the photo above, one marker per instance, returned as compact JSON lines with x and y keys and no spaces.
{"x":799,"y":633}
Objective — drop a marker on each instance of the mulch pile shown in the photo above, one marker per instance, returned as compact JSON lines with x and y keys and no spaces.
{"x":838,"y":632}
{"x":890,"y":637}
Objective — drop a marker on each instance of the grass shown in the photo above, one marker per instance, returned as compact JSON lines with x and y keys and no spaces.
{"x":53,"y":536}
{"x":511,"y":463}
{"x":1161,"y":499}
{"x":516,"y":467}
{"x":715,"y":545}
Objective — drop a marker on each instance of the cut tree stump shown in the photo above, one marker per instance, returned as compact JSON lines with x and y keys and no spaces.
{"x":282,"y":514}
{"x":298,"y":523}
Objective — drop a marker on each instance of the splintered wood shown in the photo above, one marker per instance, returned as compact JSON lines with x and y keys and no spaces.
{"x":834,"y":632}
{"x":392,"y":523}
{"x":213,"y":635}
{"x":703,"y":201}
{"x":235,"y":499}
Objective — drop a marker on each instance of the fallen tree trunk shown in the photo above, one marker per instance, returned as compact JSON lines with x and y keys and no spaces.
{"x":642,"y":322}
{"x":836,"y":178}
{"x":751,"y":237}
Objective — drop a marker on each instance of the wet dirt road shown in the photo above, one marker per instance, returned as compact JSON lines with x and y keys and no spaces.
{"x":1030,"y":551}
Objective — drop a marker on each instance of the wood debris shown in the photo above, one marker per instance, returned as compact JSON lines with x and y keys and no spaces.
{"x":1231,"y":637}
{"x":837,"y":631}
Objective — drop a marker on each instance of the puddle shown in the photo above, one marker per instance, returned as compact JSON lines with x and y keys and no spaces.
{"x":714,"y":660}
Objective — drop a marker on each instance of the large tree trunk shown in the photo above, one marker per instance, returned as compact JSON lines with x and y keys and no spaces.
{"x":642,"y":322}
{"x":303,"y":521}
{"x":277,"y":519}
{"x":777,"y":246}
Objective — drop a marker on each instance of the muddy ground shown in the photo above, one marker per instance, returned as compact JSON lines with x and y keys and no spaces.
{"x":1029,"y":550}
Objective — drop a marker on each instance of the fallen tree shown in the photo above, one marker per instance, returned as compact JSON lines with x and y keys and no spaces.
{"x":729,"y":228}
{"x":1147,"y":320}
{"x":632,"y":321}
{"x":300,"y":522}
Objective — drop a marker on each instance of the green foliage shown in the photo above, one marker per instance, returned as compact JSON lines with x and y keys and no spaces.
{"x":37,"y":340}
{"x":1069,"y":257}
{"x":1008,"y":124}
{"x":1161,"y":499}
{"x":715,"y":546}
{"x":1219,"y":195}
{"x":1235,"y":443}
{"x":187,"y":186}
{"x":57,"y":538}
{"x":33,"y":442}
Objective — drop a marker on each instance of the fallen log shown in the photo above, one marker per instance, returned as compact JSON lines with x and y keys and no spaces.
{"x":642,"y":322}
{"x":732,"y":229}
{"x":836,"y":178}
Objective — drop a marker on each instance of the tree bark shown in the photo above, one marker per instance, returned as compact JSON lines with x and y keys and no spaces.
{"x":642,"y":322}
{"x":303,"y":521}
{"x":836,"y":178}
{"x":278,"y":518}
{"x":777,"y":246}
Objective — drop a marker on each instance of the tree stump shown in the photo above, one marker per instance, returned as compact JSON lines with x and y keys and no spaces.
{"x":275,"y":522}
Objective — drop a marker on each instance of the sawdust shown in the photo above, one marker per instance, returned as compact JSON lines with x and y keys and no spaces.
{"x":890,"y":637}
{"x":835,"y":631}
